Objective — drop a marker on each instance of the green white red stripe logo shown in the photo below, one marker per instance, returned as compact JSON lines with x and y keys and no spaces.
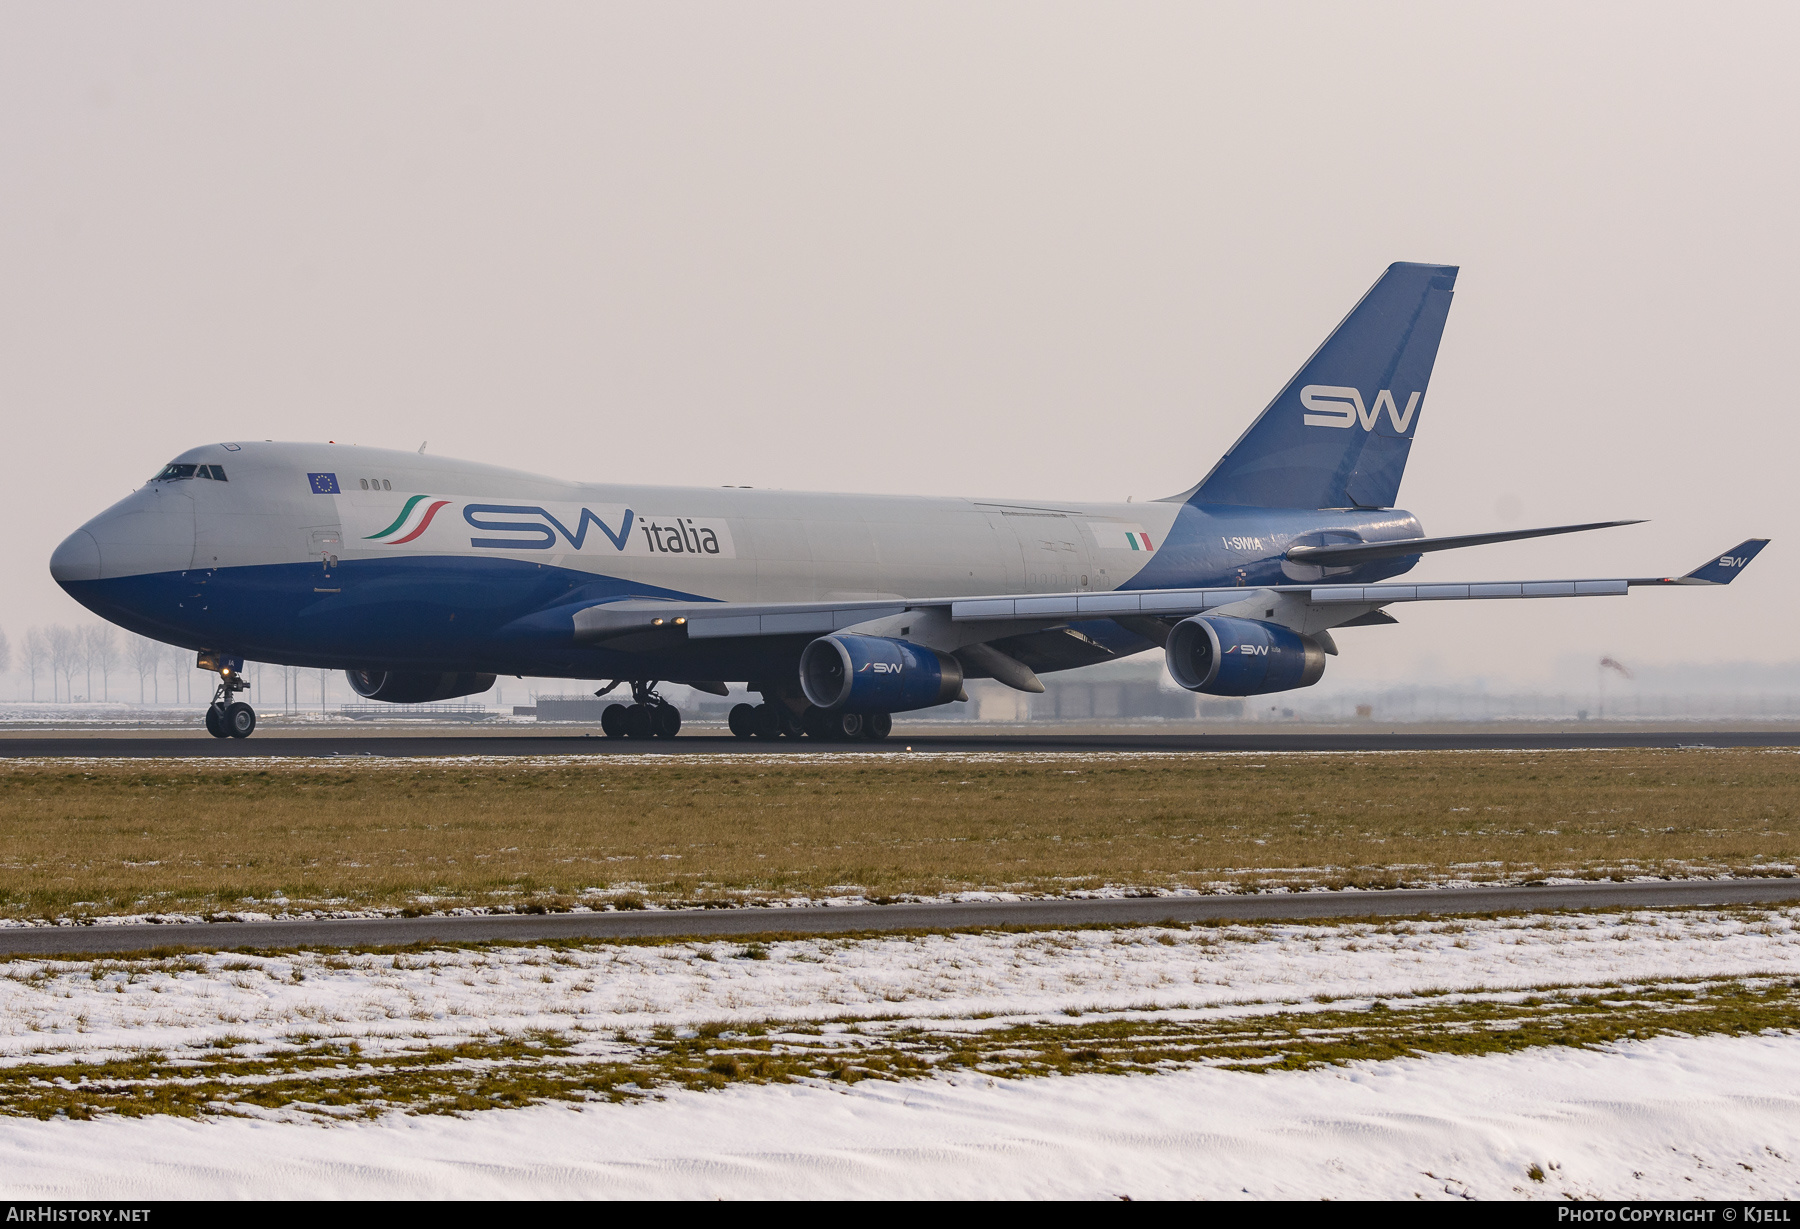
{"x":1139,"y":540}
{"x":414,"y":519}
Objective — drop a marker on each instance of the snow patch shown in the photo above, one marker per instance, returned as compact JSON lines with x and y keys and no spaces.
{"x":1676,"y":1118}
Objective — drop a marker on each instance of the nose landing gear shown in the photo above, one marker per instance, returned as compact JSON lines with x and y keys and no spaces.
{"x":647,"y":716}
{"x":228,"y":718}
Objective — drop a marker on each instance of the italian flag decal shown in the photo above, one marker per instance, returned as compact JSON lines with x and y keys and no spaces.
{"x":414,"y":519}
{"x":1138,"y":539}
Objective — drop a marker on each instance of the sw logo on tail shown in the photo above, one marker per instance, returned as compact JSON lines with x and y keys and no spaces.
{"x":1335,"y":406}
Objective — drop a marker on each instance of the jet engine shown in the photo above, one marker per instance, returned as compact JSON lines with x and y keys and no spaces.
{"x":876,"y":674}
{"x":1241,"y":657}
{"x":415,"y":687}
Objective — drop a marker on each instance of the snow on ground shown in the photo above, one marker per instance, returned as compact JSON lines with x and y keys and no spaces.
{"x":1672,"y":1118}
{"x":83,"y":1008}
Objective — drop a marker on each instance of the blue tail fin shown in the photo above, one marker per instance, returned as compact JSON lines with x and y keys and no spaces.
{"x":1337,"y":436}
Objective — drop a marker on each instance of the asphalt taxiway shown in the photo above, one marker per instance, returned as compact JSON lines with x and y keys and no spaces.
{"x":745,"y":922}
{"x":144,"y":746}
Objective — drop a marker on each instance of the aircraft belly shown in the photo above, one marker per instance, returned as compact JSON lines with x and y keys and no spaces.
{"x":503,"y":616}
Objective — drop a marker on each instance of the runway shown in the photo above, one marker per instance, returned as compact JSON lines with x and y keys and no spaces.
{"x":140,"y":746}
{"x":742,"y":923}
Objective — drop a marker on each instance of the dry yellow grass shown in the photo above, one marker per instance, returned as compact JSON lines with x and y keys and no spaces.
{"x":110,"y":837}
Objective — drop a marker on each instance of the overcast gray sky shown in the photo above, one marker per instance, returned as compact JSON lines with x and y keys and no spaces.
{"x":1001,"y":249}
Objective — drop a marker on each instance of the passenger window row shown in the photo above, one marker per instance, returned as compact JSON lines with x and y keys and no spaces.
{"x":376,"y":484}
{"x":173,"y":472}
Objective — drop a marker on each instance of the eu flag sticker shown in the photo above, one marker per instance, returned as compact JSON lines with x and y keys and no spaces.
{"x":324,"y":484}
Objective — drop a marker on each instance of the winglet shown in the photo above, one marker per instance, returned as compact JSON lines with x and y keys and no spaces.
{"x":1723,"y":569}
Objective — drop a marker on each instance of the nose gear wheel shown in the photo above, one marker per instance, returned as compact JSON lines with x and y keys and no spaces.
{"x":226,"y":717}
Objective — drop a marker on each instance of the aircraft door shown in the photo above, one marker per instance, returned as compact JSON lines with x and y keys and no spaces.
{"x":1055,"y":550}
{"x":323,"y":546}
{"x":1008,"y":554}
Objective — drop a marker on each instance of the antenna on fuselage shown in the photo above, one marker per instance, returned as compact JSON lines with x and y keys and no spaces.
{"x":422,"y":444}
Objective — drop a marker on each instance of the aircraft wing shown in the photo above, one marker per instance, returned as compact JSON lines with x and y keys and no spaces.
{"x":1307,"y":608}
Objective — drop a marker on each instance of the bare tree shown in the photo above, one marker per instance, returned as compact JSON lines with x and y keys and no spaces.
{"x":143,"y":655}
{"x":180,"y":667}
{"x":101,"y":643}
{"x":100,"y":647}
{"x":65,"y":659}
{"x":5,"y":653}
{"x":37,"y":656}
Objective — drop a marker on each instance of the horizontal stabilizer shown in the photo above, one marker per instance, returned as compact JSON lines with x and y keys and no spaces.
{"x":1724,"y":569}
{"x":1350,"y":553}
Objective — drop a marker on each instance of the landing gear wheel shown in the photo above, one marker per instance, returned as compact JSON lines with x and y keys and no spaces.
{"x":226,"y":718}
{"x":848,"y":727}
{"x":768,"y":721}
{"x":637,"y":721}
{"x":877,"y":726}
{"x":612,"y":721}
{"x":647,"y":716}
{"x":742,"y":720}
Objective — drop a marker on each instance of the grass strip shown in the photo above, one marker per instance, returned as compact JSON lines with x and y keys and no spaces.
{"x":93,"y":839}
{"x":309,"y":1076}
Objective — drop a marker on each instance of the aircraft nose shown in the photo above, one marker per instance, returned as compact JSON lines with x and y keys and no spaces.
{"x":147,"y":532}
{"x":77,"y":559}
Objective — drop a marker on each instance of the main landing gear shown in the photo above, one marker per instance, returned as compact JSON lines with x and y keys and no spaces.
{"x":776,"y":720}
{"x":647,"y":716}
{"x":228,"y":718}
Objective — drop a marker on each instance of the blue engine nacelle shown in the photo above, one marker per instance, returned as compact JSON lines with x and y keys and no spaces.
{"x":874,"y":674}
{"x":1241,"y":657}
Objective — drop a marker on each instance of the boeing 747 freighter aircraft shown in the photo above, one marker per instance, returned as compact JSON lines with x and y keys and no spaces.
{"x":424,"y":579}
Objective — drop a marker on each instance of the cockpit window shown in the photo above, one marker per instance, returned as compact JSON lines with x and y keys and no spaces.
{"x":175,"y":471}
